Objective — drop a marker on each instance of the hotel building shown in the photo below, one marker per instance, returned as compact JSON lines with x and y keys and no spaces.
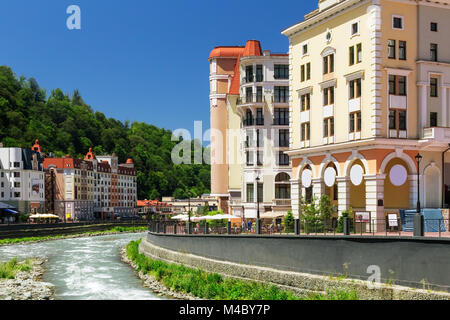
{"x":249,"y":99}
{"x":375,"y":96}
{"x":93,"y":187}
{"x":22,"y":179}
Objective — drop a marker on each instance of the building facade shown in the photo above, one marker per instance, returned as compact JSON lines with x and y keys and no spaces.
{"x":93,"y":187}
{"x":375,"y":97}
{"x":249,"y":129}
{"x":22,"y":183}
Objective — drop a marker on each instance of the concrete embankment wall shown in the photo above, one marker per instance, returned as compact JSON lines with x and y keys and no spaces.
{"x":41,"y":230}
{"x":302,"y":260}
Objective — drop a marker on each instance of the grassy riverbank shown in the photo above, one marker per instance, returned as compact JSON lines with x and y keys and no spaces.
{"x":89,"y":233}
{"x":9,"y":269}
{"x":215,"y":287}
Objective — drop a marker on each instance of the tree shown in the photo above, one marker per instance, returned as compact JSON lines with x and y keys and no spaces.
{"x":67,"y":125}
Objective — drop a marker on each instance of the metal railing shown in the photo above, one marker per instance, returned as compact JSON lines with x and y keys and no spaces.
{"x":314,"y":227}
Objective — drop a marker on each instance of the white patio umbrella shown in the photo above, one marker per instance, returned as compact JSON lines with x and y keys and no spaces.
{"x":272,"y":215}
{"x":180,"y":217}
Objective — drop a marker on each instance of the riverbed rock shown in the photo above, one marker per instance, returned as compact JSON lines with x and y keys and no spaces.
{"x":150,"y":282}
{"x":27,"y":285}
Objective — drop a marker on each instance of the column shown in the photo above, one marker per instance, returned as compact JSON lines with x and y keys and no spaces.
{"x":444,"y":105}
{"x":374,"y":198}
{"x":343,"y":194}
{"x":422,"y":108}
{"x":295,"y":196}
{"x":318,"y":187}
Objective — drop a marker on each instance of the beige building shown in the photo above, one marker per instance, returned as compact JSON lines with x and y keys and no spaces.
{"x":250,"y":129}
{"x":376,"y":95}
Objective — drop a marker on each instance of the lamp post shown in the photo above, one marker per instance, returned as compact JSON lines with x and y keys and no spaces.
{"x":418,"y":159}
{"x":418,"y":219}
{"x":258,"y":220}
{"x":189,"y":213}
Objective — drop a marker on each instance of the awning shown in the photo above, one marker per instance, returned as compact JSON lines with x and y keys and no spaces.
{"x":272,"y":215}
{"x":11,"y":211}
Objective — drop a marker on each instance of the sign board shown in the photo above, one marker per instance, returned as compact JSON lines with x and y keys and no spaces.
{"x":362,"y":216}
{"x":392,"y":220}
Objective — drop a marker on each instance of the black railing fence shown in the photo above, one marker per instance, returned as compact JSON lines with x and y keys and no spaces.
{"x":323,"y":227}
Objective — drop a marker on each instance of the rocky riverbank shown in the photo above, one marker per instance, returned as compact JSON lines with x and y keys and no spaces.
{"x":153,"y":284}
{"x":27,"y":285}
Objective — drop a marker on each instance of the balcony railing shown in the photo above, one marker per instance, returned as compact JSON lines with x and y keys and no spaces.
{"x":281,"y":99}
{"x":281,"y":122}
{"x":282,"y":202}
{"x":437,"y":133}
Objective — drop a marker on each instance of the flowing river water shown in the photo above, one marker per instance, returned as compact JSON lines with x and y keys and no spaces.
{"x":86,"y":268}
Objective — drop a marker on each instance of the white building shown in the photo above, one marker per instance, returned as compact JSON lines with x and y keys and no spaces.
{"x":22,"y":179}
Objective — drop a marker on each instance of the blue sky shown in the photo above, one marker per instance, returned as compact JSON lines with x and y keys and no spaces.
{"x":138,"y":60}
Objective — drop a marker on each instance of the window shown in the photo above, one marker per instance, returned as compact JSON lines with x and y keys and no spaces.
{"x":355,"y":88}
{"x":260,"y":192}
{"x":433,"y":87}
{"x":391,"y":49}
{"x":355,"y":122}
{"x":434,"y":52}
{"x":305,"y":49}
{"x":249,"y":74}
{"x":328,"y":64}
{"x":283,"y":159}
{"x":283,"y":138}
{"x":328,"y":127}
{"x":249,"y":94}
{"x":401,"y":85}
{"x":16,"y":194}
{"x":16,"y":184}
{"x":305,"y":131}
{"x":16,"y":174}
{"x":259,"y":73}
{"x":397,"y":119}
{"x":281,"y":94}
{"x":259,"y":158}
{"x":433,"y":119}
{"x":305,"y":102}
{"x":402,"y":50}
{"x":259,"y":117}
{"x":281,"y":116}
{"x":250,"y":192}
{"x":352,"y":55}
{"x":397,"y":22}
{"x":259,"y":94}
{"x":281,"y":71}
{"x":355,"y":28}
{"x":397,"y":85}
{"x":308,"y":71}
{"x":359,"y":53}
{"x":328,"y":96}
{"x":302,"y":73}
{"x":434,"y":27}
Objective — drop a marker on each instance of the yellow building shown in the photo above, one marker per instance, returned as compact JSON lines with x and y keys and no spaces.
{"x":369,"y":86}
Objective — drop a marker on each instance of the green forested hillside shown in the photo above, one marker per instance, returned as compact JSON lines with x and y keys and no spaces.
{"x":67,"y":125}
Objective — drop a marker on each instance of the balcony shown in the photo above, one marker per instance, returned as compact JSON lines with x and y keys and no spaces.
{"x":252,"y":78}
{"x":281,"y":121}
{"x":282,"y":202}
{"x":438,"y":134}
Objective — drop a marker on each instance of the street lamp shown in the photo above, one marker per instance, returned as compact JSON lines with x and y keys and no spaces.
{"x":258,"y":220}
{"x":418,"y":159}
{"x":189,"y":212}
{"x":418,"y":219}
